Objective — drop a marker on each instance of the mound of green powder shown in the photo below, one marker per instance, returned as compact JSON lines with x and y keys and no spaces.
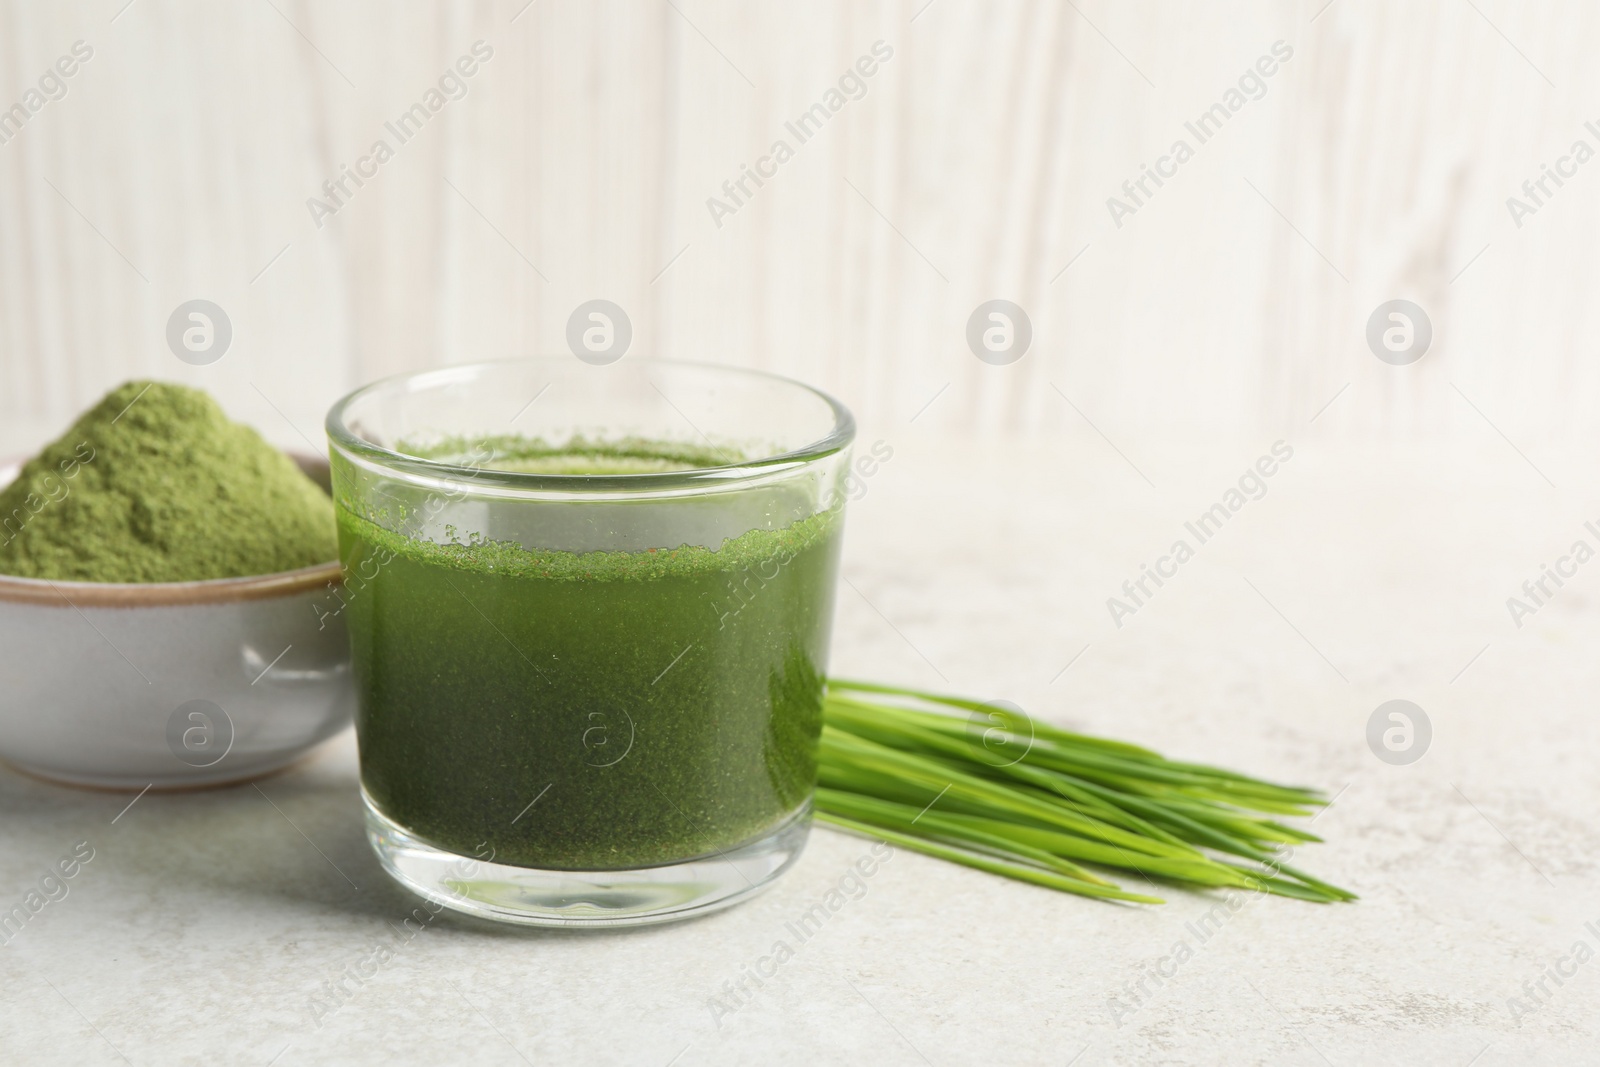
{"x":156,"y":484}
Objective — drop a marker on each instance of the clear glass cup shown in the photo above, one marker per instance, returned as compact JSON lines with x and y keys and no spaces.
{"x":589,"y":608}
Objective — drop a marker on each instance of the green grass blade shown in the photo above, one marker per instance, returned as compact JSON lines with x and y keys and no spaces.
{"x":904,"y":765}
{"x":993,"y":866}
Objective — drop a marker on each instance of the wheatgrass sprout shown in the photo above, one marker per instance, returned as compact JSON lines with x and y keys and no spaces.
{"x":1030,"y":801}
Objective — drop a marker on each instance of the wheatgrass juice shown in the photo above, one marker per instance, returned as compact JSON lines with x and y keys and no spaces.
{"x":589,"y":710}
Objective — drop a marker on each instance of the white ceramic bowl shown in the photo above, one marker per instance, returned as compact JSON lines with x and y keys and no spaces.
{"x":175,"y":684}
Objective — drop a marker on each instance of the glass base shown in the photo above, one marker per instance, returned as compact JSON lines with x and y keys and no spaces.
{"x":537,"y":897}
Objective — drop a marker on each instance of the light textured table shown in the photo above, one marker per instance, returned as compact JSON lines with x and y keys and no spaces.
{"x":206,"y":926}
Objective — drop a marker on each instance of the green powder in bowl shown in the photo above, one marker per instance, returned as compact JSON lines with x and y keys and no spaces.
{"x":156,"y":484}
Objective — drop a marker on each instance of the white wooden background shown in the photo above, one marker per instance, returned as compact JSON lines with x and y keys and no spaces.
{"x":977,"y":166}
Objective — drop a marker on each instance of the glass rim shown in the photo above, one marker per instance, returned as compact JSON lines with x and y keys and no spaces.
{"x":346,"y":440}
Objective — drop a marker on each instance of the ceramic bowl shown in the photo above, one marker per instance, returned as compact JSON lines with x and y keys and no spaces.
{"x":171,"y":684}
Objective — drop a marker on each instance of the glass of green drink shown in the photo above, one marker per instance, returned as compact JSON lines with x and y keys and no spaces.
{"x":589,"y":608}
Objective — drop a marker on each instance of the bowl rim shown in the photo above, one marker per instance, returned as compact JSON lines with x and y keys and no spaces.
{"x":346,"y":442}
{"x":76,"y":595}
